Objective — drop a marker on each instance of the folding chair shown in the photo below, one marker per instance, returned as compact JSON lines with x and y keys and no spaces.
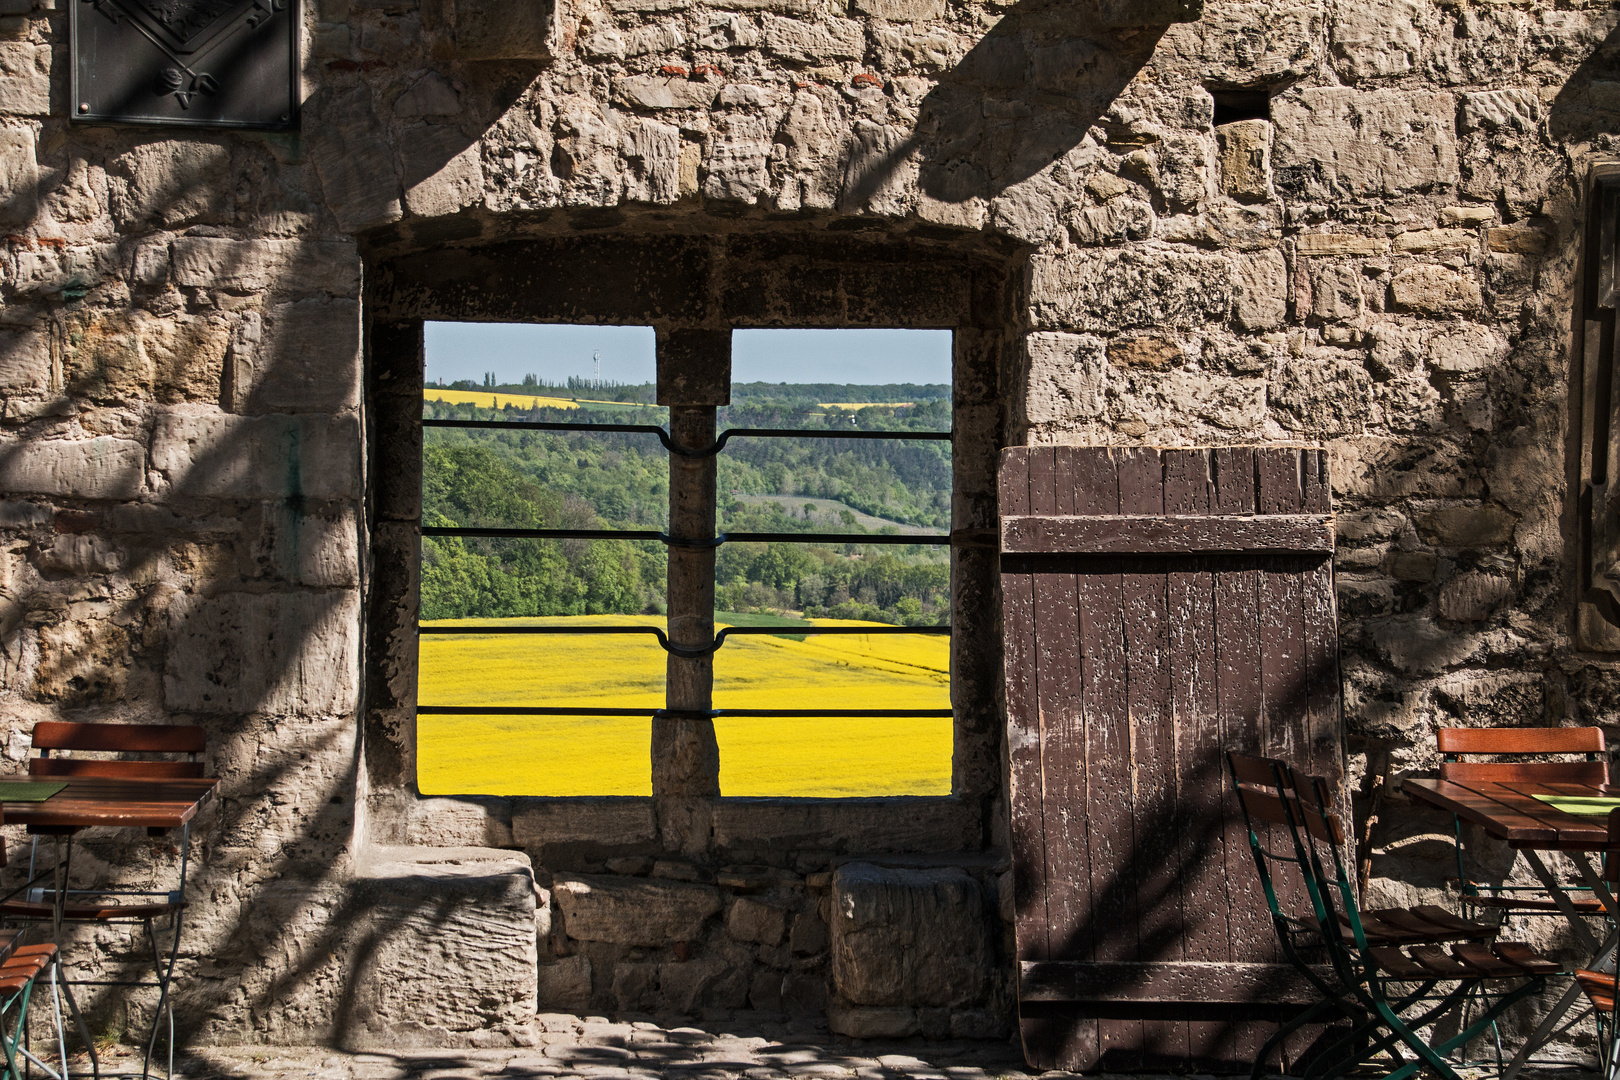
{"x":1518,"y":745}
{"x":1603,"y":987}
{"x":1301,"y":915}
{"x":41,"y":904}
{"x":1376,"y":974}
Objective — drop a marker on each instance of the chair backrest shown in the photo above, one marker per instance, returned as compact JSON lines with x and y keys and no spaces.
{"x":55,"y":735}
{"x":1524,"y":743}
{"x":1271,"y":815}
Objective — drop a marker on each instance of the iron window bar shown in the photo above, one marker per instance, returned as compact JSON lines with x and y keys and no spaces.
{"x":679,"y":714}
{"x":687,"y":452}
{"x":689,"y":652}
{"x":923,"y":539}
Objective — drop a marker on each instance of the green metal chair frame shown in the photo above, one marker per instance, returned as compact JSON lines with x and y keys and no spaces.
{"x":1373,"y":971}
{"x":1363,"y":964}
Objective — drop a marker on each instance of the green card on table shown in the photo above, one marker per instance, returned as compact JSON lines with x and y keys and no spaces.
{"x":1581,"y":804}
{"x":29,"y":790}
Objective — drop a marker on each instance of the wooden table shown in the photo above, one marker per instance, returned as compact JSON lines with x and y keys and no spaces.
{"x":120,"y":802}
{"x":1510,"y":812}
{"x":89,"y":801}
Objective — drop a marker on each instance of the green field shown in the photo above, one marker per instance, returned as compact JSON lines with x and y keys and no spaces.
{"x":816,"y":756}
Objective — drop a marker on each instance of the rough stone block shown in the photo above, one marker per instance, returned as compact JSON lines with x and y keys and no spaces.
{"x":633,"y":911}
{"x":1518,"y":241}
{"x":258,"y":266}
{"x":105,"y":467}
{"x":1467,"y":526}
{"x":1068,"y":375}
{"x":809,"y":934}
{"x":441,"y":168}
{"x":819,"y":42}
{"x":1377,"y":38}
{"x":1261,"y":277}
{"x":304,"y":356}
{"x":1246,"y":158}
{"x":19,"y":176}
{"x":1501,"y":110}
{"x":1340,"y":244}
{"x":908,"y":937}
{"x":440,"y":946}
{"x":565,"y":986}
{"x":284,"y":654}
{"x":25,"y":79}
{"x":172,"y":182}
{"x":354,"y":160}
{"x":860,"y":1022}
{"x":503,"y":29}
{"x":652,"y":153}
{"x":750,"y":920}
{"x":1436,"y":290}
{"x":1466,"y":350}
{"x":1109,"y":291}
{"x":1384,"y":142}
{"x":25,"y":360}
{"x":1473,"y":596}
{"x":1322,"y":396}
{"x":901,"y":10}
{"x":1145,"y":353}
{"x":1336,"y":292}
{"x":1425,"y":241}
{"x":664,"y":92}
{"x":619,"y":821}
{"x":212,"y":454}
{"x":1467,"y":216}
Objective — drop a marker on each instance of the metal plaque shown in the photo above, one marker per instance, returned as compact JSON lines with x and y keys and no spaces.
{"x":214,"y":63}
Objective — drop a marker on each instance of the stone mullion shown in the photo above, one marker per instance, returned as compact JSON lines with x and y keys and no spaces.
{"x":686,"y":760}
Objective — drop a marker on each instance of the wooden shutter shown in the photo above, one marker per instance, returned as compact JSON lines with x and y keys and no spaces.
{"x":1161,"y":607}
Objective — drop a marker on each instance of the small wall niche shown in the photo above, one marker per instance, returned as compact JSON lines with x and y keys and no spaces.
{"x":1234,"y":105}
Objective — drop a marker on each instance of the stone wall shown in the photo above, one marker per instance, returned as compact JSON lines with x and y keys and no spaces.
{"x":1353,"y":222}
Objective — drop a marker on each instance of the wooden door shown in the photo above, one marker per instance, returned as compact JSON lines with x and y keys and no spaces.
{"x":1161,"y":607}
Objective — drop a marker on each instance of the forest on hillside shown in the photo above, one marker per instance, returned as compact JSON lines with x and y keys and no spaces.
{"x":619,"y":480}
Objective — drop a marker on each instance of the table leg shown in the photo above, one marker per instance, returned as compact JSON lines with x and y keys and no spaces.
{"x":1576,"y":921}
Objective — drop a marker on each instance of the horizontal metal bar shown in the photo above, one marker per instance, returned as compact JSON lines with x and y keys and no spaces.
{"x":811,"y":433}
{"x":526,"y":710}
{"x":686,"y":651}
{"x":709,"y":451}
{"x":541,"y":710}
{"x":545,"y":534}
{"x":924,"y":539}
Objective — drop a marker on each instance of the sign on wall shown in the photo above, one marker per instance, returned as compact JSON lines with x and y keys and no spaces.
{"x":214,"y":63}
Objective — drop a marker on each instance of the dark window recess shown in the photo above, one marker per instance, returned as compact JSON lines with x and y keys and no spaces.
{"x":1234,"y":105}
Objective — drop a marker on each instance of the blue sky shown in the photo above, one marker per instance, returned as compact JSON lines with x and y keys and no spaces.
{"x":554,"y":352}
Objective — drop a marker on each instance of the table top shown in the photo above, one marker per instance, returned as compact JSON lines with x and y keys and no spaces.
{"x":100,"y":800}
{"x":1512,"y":813}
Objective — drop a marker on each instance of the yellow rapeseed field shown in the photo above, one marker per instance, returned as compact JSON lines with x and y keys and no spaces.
{"x":822,"y":756}
{"x":486,"y":400}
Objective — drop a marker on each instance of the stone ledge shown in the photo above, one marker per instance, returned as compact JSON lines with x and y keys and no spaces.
{"x":441,"y":948}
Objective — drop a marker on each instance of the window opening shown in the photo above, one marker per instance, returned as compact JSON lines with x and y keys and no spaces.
{"x":544,"y":546}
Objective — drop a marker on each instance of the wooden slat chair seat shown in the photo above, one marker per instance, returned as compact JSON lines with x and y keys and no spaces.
{"x":1389,"y":992}
{"x":19,"y":971}
{"x":1519,"y":757}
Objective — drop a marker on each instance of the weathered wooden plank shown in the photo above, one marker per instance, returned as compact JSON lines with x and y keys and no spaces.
{"x":1167,"y":534}
{"x":1025,"y":799}
{"x":1153,"y":770}
{"x":1201,"y":853}
{"x":1109,"y":807}
{"x":1062,"y":738}
{"x":1177,"y":981}
{"x":1238,"y":705}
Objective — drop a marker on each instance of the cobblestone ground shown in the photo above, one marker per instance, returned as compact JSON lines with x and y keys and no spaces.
{"x":598,"y":1049}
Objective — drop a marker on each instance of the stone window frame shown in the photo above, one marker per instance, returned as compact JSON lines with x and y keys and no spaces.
{"x":694,"y":288}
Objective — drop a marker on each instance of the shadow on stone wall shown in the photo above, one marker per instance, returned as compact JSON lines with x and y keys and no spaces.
{"x":1022,"y":98}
